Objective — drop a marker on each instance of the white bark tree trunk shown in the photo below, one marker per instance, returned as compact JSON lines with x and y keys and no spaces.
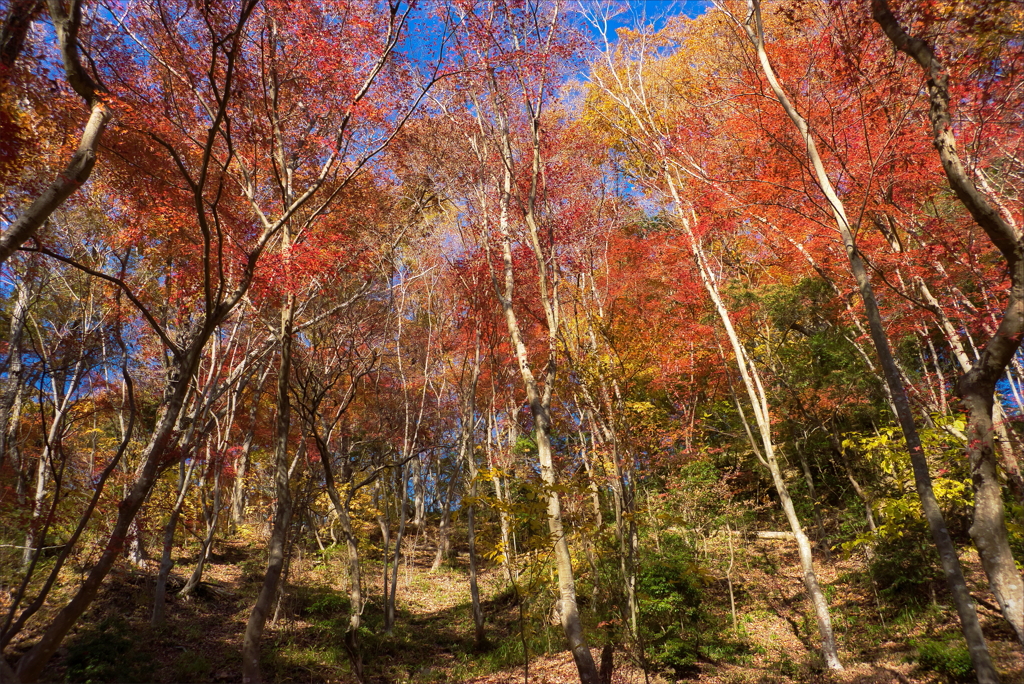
{"x":759,"y":405}
{"x":922,"y":478}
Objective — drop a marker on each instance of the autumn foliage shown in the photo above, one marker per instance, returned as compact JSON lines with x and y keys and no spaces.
{"x":552,"y":287}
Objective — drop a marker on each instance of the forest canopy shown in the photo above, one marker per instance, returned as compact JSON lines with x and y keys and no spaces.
{"x":477,"y":340}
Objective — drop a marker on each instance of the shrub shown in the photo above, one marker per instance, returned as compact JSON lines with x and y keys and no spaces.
{"x":670,"y":586}
{"x":906,"y":567}
{"x":949,"y":658}
{"x":105,"y":653}
{"x":326,"y":604}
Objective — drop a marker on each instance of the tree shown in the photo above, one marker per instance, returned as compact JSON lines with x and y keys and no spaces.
{"x":978,"y":385}
{"x":622,"y":83}
{"x":67,"y":23}
{"x":514,"y":53}
{"x":754,"y":28}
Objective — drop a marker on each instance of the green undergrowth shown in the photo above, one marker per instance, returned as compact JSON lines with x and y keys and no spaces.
{"x":686,"y":626}
{"x":947,"y":657}
{"x":108,"y":652}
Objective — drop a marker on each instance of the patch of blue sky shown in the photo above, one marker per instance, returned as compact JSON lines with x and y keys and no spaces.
{"x":636,"y":14}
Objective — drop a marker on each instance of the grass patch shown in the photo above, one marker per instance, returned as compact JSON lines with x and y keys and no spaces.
{"x":951,"y":659}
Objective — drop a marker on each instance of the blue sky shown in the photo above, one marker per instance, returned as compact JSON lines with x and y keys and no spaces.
{"x":636,"y":14}
{"x":656,"y":11}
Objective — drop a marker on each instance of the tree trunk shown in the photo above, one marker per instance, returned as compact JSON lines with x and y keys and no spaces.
{"x":492,"y":444}
{"x":589,"y":465}
{"x":213,"y":517}
{"x":32,"y":663}
{"x":384,"y":522}
{"x":922,"y":478}
{"x":809,"y":479}
{"x":355,"y":588}
{"x":355,"y":593}
{"x":474,"y":589}
{"x":419,"y":492}
{"x":20,"y":15}
{"x":11,"y":385}
{"x":166,"y":560}
{"x":444,"y":527}
{"x":977,"y":386}
{"x":80,"y":166}
{"x":242,"y":465}
{"x":540,"y":400}
{"x":759,"y":404}
{"x":837,"y":448}
{"x":391,"y":597}
{"x":283,"y":511}
{"x":568,"y":610}
{"x":468,"y":457}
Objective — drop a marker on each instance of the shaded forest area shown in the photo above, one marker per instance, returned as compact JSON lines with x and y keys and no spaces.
{"x":500,"y":340}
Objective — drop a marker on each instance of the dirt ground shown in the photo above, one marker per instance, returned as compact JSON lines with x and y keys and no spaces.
{"x":433,"y":638}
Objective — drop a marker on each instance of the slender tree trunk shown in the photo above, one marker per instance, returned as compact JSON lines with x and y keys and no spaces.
{"x":474,"y":588}
{"x":20,"y":15}
{"x":589,"y":465}
{"x":61,"y":401}
{"x":166,"y":560}
{"x":38,"y":499}
{"x":389,"y":610}
{"x":419,"y":492}
{"x":977,"y":386}
{"x":567,"y":606}
{"x":355,"y":593}
{"x":759,"y":404}
{"x":492,"y":444}
{"x":384,"y":522}
{"x":32,"y":663}
{"x":355,"y":587}
{"x":837,"y":448}
{"x":444,"y":549}
{"x":479,"y":635}
{"x":540,"y":399}
{"x":568,"y":609}
{"x":809,"y":479}
{"x":603,"y":422}
{"x":283,"y":511}
{"x":624,"y":495}
{"x":11,"y":386}
{"x":80,"y":166}
{"x":242,"y":465}
{"x":468,"y":457}
{"x":211,"y":529}
{"x":922,"y":478}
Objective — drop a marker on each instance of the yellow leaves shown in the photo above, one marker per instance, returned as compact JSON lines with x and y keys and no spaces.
{"x":899,"y":508}
{"x":491,"y":474}
{"x":640,"y":407}
{"x":651,"y":82}
{"x":952,"y":492}
{"x":496,"y":554}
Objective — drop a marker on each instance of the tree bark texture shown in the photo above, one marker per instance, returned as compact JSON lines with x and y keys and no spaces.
{"x":282,"y":512}
{"x":572,"y":626}
{"x":977,"y":386}
{"x":922,"y":478}
{"x":759,"y":404}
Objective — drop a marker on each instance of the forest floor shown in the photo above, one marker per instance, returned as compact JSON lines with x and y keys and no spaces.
{"x":432,"y":640}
